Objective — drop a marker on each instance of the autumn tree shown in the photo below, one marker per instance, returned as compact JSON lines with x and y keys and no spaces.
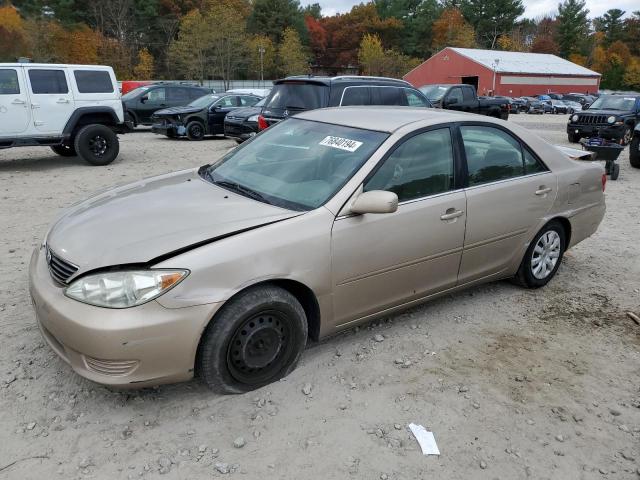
{"x":264,"y":64}
{"x":631,"y":78}
{"x":190,"y":52}
{"x":573,"y":26}
{"x":611,"y":24}
{"x":371,"y":55}
{"x":12,"y":34}
{"x":292,"y":55}
{"x":317,"y":36}
{"x":145,"y":65}
{"x":452,"y":30}
{"x":632,"y":32}
{"x":545,"y":45}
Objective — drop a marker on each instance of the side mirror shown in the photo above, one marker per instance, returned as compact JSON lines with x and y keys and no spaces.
{"x":450,"y":101}
{"x":375,"y":201}
{"x":144,"y":98}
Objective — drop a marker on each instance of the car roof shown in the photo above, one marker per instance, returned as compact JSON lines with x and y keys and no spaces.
{"x":387,"y":119}
{"x":345,"y":79}
{"x":57,"y":65}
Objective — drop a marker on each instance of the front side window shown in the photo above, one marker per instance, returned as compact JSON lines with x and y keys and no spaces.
{"x":415,"y":100}
{"x":247,"y":101}
{"x":48,"y":82}
{"x":296,"y":164}
{"x":455,"y":95}
{"x":157,"y":95}
{"x":355,"y":96}
{"x":492,"y":155}
{"x":9,"y":82}
{"x":419,"y":167}
{"x":226,"y":102}
{"x":93,"y":81}
{"x":468,"y":94}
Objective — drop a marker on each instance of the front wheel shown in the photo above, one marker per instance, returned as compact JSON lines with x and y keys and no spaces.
{"x":626,"y":136}
{"x":195,"y":130}
{"x":615,"y":171}
{"x":65,"y":150}
{"x":634,"y":151}
{"x":97,"y":144}
{"x":543,"y":257}
{"x":256,"y":338}
{"x":573,"y":138}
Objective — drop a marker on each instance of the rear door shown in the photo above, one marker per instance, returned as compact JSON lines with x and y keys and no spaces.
{"x":15,"y":111}
{"x":52,"y":101}
{"x":178,"y":96}
{"x":509,"y":191}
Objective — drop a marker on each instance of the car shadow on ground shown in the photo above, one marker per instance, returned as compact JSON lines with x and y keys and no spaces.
{"x":44,"y":163}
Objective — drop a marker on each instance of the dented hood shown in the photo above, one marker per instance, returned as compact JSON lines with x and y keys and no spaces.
{"x":142,"y":221}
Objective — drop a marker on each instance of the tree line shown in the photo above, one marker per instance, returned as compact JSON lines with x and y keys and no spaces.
{"x":250,"y":39}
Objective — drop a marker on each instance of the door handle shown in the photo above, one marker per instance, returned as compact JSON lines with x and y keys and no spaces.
{"x":18,"y":101}
{"x":35,"y":105}
{"x":63,"y":100}
{"x":542,"y":190}
{"x":451,"y":214}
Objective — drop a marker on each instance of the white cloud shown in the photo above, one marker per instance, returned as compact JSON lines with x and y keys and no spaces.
{"x":534,"y":8}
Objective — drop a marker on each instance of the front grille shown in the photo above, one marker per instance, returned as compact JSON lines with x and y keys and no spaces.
{"x":60,"y":269}
{"x":112,"y":368}
{"x":592,"y":119}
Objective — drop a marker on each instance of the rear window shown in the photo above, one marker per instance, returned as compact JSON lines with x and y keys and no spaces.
{"x":298,"y":96}
{"x":48,"y":81}
{"x":355,"y":96}
{"x":93,"y":81}
{"x":9,"y":82}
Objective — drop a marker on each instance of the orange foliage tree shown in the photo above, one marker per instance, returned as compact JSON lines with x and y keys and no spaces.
{"x":12,"y":34}
{"x":452,"y":30}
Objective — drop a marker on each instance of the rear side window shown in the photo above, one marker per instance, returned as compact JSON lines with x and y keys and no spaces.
{"x":298,"y":96}
{"x":9,"y":82}
{"x":247,"y":101}
{"x":48,"y":81}
{"x":178,"y":94}
{"x":388,"y":96}
{"x":492,"y":155}
{"x":415,"y":100}
{"x":355,"y":96}
{"x":93,"y":81}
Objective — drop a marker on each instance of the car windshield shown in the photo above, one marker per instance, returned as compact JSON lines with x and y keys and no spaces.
{"x":134,"y":93}
{"x":298,"y":96}
{"x":295,"y":164}
{"x":613,"y":102}
{"x":204,"y":101}
{"x":434,"y":92}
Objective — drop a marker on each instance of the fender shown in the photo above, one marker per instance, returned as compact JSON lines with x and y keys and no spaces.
{"x":82,"y":111}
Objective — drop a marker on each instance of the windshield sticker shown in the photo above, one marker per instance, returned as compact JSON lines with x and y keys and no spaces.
{"x":341,"y":143}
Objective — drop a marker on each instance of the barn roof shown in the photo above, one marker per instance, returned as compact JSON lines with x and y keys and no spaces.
{"x":521,"y":62}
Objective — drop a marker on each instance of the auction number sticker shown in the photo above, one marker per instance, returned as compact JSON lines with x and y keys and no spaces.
{"x":341,"y":143}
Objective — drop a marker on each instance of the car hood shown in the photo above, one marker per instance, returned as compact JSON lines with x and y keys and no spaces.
{"x":142,"y":221}
{"x":244,"y":112}
{"x":176,"y":111}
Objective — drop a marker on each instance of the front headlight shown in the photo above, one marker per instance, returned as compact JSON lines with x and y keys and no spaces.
{"x":611,"y":119}
{"x":574,"y":118}
{"x":124,"y":289}
{"x":253,"y":118}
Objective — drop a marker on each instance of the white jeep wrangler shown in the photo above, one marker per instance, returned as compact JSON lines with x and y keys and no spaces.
{"x":74,"y":109}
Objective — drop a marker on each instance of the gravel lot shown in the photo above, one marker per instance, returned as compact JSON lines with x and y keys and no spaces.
{"x":514,"y":383}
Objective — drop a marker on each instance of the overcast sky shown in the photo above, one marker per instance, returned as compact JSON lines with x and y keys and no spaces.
{"x":535,"y":8}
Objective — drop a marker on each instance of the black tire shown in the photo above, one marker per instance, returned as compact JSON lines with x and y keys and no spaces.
{"x":255,"y":339}
{"x":195,"y":130}
{"x":615,"y":171}
{"x":97,"y":144}
{"x":130,"y":118}
{"x":626,"y":136}
{"x":634,"y":151}
{"x":573,"y":138}
{"x":65,"y":150}
{"x":525,"y":276}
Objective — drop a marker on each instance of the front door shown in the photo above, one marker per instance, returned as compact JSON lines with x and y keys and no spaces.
{"x":153,"y":100}
{"x":219,"y":110}
{"x":15,"y":111}
{"x":51,"y":99}
{"x":510,"y":191}
{"x":380,"y":261}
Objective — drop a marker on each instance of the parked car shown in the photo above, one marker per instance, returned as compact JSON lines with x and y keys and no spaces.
{"x":242,"y":124}
{"x":142,"y":102}
{"x":258,"y":92}
{"x":536,"y":106}
{"x":74,"y":109}
{"x":558,"y":106}
{"x":293,"y":95}
{"x":463,"y":98}
{"x":583,"y":99}
{"x":519,"y":105}
{"x":228,"y":269}
{"x":204,"y":116}
{"x":634,"y":148}
{"x":612,"y":117}
{"x":572,"y":106}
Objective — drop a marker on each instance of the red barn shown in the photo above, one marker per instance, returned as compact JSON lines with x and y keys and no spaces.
{"x":513,"y":74}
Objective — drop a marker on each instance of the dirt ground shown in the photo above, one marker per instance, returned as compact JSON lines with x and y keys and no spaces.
{"x":514,"y":383}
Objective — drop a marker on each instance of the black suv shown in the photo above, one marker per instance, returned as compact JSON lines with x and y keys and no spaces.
{"x":142,"y":102}
{"x":611,"y":116}
{"x":293,"y":95}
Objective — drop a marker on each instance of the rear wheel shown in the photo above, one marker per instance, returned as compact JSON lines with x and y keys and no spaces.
{"x":634,"y":151}
{"x":615,"y":171}
{"x":573,"y":138}
{"x":65,"y":150}
{"x":195,"y":130}
{"x":257,"y":338}
{"x":543,"y":257}
{"x":97,"y":144}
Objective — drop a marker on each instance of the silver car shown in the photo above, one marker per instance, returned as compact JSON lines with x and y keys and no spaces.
{"x":324,"y":221}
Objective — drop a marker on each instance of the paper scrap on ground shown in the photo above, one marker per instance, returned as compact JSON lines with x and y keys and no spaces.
{"x":426,"y":439}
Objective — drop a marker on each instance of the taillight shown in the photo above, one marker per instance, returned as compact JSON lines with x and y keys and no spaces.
{"x":262,"y":123}
{"x":604,"y":181}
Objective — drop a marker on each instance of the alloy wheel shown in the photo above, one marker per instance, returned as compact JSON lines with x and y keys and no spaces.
{"x":98,"y":145}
